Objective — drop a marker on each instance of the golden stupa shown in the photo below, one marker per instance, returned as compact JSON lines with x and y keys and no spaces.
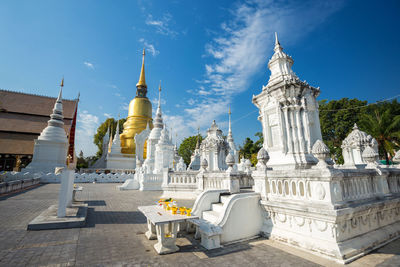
{"x":139,"y":115}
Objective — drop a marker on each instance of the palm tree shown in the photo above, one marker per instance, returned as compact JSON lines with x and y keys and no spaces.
{"x":384,"y":125}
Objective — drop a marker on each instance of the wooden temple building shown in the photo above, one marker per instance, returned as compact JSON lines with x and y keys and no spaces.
{"x":22,"y":118}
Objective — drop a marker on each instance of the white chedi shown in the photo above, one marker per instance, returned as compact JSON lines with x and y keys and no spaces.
{"x":154,"y":136}
{"x":164,"y":154}
{"x":288,"y":112}
{"x":50,"y":150}
{"x":353,"y":146}
{"x":214,"y":149}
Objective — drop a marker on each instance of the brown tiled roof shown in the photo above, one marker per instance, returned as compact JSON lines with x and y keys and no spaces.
{"x":17,"y":102}
{"x":24,"y":116}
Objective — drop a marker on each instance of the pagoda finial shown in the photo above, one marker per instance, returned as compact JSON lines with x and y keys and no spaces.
{"x":59,"y":98}
{"x":277,"y":44}
{"x":198,"y":137}
{"x":159,"y":95}
{"x":142,"y":78}
{"x":230,"y":127}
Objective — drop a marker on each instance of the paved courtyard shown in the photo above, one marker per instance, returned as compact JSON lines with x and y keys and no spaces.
{"x":114,"y":236}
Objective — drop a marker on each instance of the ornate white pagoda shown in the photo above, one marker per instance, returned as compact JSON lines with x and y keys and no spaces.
{"x":51,"y":147}
{"x":353,"y":147}
{"x":332,"y":211}
{"x":154,"y":136}
{"x":214,"y":148}
{"x":232,"y":147}
{"x":288,"y":114}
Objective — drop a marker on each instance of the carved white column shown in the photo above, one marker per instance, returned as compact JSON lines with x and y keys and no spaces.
{"x":299,"y":128}
{"x":282,"y":129}
{"x":294,"y":132}
{"x":306,"y":125}
{"x":288,"y":133}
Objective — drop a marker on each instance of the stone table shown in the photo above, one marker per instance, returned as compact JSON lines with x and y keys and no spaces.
{"x":157,"y":221}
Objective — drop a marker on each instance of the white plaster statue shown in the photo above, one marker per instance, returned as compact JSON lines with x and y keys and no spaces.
{"x":288,"y":114}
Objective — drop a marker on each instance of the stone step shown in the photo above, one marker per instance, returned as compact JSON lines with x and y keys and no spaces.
{"x":210,"y":216}
{"x":217,"y":207}
{"x":224,"y":198}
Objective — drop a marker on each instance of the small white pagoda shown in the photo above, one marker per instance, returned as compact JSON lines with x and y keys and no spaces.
{"x":154,"y":136}
{"x":214,"y":149}
{"x":50,"y":150}
{"x":353,"y":147}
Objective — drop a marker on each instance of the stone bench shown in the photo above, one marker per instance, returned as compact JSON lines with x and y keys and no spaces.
{"x":210,"y":233}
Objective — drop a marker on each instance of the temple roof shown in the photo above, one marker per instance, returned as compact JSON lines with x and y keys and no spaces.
{"x":24,"y":116}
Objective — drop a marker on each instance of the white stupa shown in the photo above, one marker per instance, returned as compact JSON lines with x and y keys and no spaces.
{"x":51,"y":147}
{"x":231,"y":142}
{"x":154,"y":136}
{"x":288,"y":114}
{"x":164,"y":153}
{"x":214,"y":149}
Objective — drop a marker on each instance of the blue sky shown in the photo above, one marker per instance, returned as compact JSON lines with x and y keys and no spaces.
{"x":208,"y":55}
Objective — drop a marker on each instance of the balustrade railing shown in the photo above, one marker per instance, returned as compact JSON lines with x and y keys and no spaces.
{"x":182,"y":178}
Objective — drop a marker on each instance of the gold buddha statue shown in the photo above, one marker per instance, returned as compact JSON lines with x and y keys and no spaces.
{"x":139,"y":115}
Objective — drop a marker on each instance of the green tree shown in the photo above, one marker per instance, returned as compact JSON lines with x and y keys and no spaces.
{"x":383,"y":123}
{"x":101,"y":132}
{"x":188,"y":146}
{"x":337,"y":118}
{"x":81,"y":161}
{"x":250,"y":148}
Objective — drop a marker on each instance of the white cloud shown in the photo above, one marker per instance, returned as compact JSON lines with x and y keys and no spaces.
{"x":244,"y":46}
{"x":149,"y":47}
{"x":125,"y":106}
{"x":178,"y":126}
{"x":89,"y":65}
{"x":154,"y":102}
{"x":87,"y":125}
{"x":108,"y":115}
{"x":162,"y":25}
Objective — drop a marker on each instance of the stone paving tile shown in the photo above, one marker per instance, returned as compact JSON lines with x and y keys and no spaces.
{"x":114,"y":236}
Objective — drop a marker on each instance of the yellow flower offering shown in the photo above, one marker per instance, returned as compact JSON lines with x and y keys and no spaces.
{"x":189,"y":212}
{"x":182,"y":210}
{"x":174,"y":209}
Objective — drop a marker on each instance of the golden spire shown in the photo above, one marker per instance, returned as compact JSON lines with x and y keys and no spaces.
{"x":62,"y":82}
{"x":142,"y":78}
